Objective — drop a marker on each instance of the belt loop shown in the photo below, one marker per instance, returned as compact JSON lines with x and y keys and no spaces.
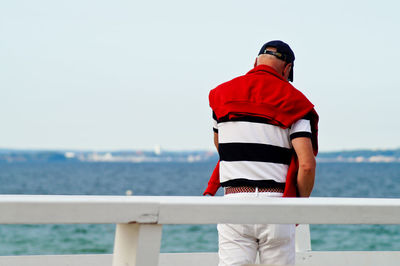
{"x":256,"y":191}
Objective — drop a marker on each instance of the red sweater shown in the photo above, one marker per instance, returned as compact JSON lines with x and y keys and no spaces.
{"x":264,"y":93}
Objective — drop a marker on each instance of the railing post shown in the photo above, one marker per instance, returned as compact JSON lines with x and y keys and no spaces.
{"x":303,"y":239}
{"x":137,"y":244}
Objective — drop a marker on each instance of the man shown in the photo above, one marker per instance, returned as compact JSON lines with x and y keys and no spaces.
{"x":265,"y":132}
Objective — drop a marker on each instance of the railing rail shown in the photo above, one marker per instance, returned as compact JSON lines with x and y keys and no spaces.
{"x":139,"y":219}
{"x":38,"y":209}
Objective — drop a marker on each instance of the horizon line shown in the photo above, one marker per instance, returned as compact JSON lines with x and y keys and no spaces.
{"x":171,"y":149}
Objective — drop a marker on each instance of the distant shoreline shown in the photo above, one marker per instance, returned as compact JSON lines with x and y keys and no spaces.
{"x":138,"y":156}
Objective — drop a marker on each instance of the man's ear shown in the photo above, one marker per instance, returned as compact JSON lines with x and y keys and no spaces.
{"x":286,"y":71}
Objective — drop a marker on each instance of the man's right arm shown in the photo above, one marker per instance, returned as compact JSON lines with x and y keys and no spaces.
{"x":216,"y":140}
{"x":307,"y":164}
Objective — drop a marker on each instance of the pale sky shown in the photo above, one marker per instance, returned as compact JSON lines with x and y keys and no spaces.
{"x":107,"y":75}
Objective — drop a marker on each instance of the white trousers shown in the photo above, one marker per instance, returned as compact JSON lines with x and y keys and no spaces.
{"x":239,"y":243}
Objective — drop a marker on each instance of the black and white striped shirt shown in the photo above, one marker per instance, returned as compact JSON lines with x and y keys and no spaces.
{"x":254,"y":152}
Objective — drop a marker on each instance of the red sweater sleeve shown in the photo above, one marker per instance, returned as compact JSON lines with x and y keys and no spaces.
{"x":213,"y":183}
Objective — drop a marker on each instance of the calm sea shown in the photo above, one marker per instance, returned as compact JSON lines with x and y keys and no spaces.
{"x":76,"y":178}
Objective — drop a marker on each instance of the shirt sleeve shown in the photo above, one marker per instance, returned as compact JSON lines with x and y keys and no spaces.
{"x":300,"y":128}
{"x":215,"y":123}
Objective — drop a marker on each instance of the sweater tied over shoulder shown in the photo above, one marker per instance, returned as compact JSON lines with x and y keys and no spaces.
{"x":262,"y":92}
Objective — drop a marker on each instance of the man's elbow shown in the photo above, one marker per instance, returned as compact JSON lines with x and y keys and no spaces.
{"x":308,"y":165}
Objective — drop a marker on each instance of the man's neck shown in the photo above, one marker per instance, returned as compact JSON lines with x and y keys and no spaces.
{"x":271,"y":66}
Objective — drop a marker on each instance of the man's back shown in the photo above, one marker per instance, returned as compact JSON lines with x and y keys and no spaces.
{"x":254,"y":144}
{"x":254,"y":152}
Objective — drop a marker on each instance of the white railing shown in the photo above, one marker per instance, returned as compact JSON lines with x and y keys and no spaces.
{"x":139,"y":222}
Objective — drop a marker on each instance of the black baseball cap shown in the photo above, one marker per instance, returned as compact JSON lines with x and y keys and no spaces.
{"x":283,"y":52}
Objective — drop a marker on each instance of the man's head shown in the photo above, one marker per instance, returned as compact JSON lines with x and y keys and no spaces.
{"x":279,"y":56}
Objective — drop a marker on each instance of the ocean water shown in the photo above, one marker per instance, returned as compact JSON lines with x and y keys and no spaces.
{"x":184,"y":179}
